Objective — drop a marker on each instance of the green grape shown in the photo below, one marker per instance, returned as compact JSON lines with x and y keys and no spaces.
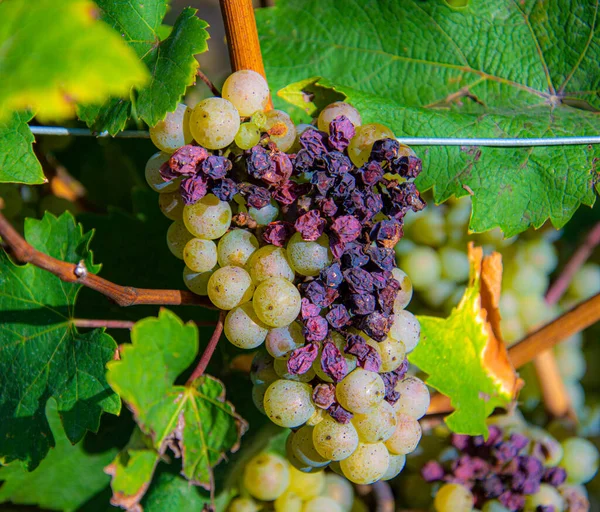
{"x":174,"y":131}
{"x":266,"y":476}
{"x":303,"y":448}
{"x":509,"y":304}
{"x":321,"y":503}
{"x":247,"y":90}
{"x":512,"y":330}
{"x":541,"y":254}
{"x":264,"y":215}
{"x":427,"y":228}
{"x":585,"y":282}
{"x":281,"y":129}
{"x":289,"y":403}
{"x":333,"y":110}
{"x":243,"y":505}
{"x":258,"y":396}
{"x":243,"y":328}
{"x":571,"y":362}
{"x":406,"y":289}
{"x":269,"y":261}
{"x":333,"y":440}
{"x":309,"y":258}
{"x":414,"y":397}
{"x":576,"y":395}
{"x":11,"y":202}
{"x":440,"y":292}
{"x":455,"y":264}
{"x":494,"y":506}
{"x":247,"y":136}
{"x":406,"y":328}
{"x":306,"y":485}
{"x":453,"y":498}
{"x":339,"y":489}
{"x":208,"y":218}
{"x":200,"y":255}
{"x":288,"y":502}
{"x":302,"y":462}
{"x":276,"y":302}
{"x":580,"y":460}
{"x":392,"y":353}
{"x":533,"y":310}
{"x":197,"y":282}
{"x":229,"y":287}
{"x":177,"y":237}
{"x":282,"y":340}
{"x":281,"y":369}
{"x":406,"y":437}
{"x":171,"y":205}
{"x":360,"y":391}
{"x":367,"y":464}
{"x":396,"y":465}
{"x":526,"y":279}
{"x":236,"y":247}
{"x":359,"y":149}
{"x":214,"y":123}
{"x":262,"y":370}
{"x":153,"y":177}
{"x":259,"y":119}
{"x":377,"y":425}
{"x":340,"y":342}
{"x":423,"y":265}
{"x":546,"y":496}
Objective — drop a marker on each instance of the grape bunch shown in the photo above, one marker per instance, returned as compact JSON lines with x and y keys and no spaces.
{"x":291,"y":231}
{"x":268,"y":479}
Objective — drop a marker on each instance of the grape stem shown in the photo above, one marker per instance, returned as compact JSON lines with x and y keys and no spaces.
{"x":208,"y":83}
{"x":209,"y":350}
{"x":123,"y":296}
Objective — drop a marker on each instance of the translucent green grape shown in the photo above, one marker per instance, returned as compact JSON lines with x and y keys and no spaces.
{"x":243,"y":328}
{"x":276,"y":302}
{"x":208,"y":218}
{"x":214,"y":123}
{"x":229,"y":287}
{"x":309,"y":258}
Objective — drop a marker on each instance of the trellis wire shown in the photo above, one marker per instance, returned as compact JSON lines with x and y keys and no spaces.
{"x":410,"y":141}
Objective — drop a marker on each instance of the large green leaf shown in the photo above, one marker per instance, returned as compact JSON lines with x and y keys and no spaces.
{"x":18,"y":163}
{"x":65,"y":479}
{"x":171,"y":61}
{"x":492,"y":69}
{"x":57,"y":54}
{"x":193,"y":419}
{"x":42,"y":355}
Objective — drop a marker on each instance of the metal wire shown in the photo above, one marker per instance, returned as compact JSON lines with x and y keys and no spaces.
{"x":410,"y":141}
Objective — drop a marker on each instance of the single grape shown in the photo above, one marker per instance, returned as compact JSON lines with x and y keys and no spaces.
{"x":455,"y":264}
{"x":494,"y":506}
{"x":288,"y":502}
{"x":377,"y":425}
{"x":392,"y":353}
{"x":173,"y":132}
{"x":306,"y":485}
{"x":367,"y":464}
{"x":414,"y":397}
{"x":541,"y":253}
{"x":266,"y":476}
{"x":197,"y":282}
{"x":258,"y":396}
{"x":580,"y":460}
{"x":281,"y":129}
{"x":396,"y":465}
{"x":289,"y":403}
{"x":208,"y":218}
{"x":236,"y":247}
{"x":406,"y":328}
{"x":243,"y":328}
{"x":571,"y":362}
{"x":534,"y":311}
{"x":333,"y":110}
{"x":339,"y":489}
{"x":359,"y":149}
{"x":229,"y":287}
{"x":546,"y":496}
{"x":247,"y":136}
{"x":171,"y":205}
{"x":301,"y":461}
{"x":526,"y":279}
{"x":406,"y":289}
{"x":309,"y":258}
{"x":301,"y":445}
{"x":441,"y":292}
{"x":281,"y":369}
{"x":585,"y":282}
{"x":247,"y":90}
{"x":512,"y":329}
{"x":262,"y":370}
{"x":243,"y":505}
{"x":276,"y":302}
{"x":360,"y":391}
{"x":509,"y":304}
{"x":264,"y":215}
{"x":177,"y":237}
{"x":321,"y":503}
{"x":427,"y":228}
{"x":214,"y":123}
{"x":282,"y":340}
{"x":423,"y":266}
{"x":153,"y":177}
{"x":340,"y":342}
{"x":406,"y":437}
{"x":200,"y":255}
{"x":269,"y":261}
{"x":259,"y":118}
{"x":333,"y":440}
{"x":453,"y":498}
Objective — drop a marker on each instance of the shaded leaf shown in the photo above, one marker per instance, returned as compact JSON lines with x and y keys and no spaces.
{"x":419,"y":68}
{"x":171,"y":61}
{"x":57,"y":54}
{"x":18,"y":163}
{"x":193,"y":420}
{"x":464,"y":357}
{"x":43,"y":354}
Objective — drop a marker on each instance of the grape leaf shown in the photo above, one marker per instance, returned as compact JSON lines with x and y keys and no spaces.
{"x":43,"y":354}
{"x":464,"y":354}
{"x":18,"y":163}
{"x":171,"y":61}
{"x":492,"y":69}
{"x":64,"y":480}
{"x":195,"y":420}
{"x":56,"y":54}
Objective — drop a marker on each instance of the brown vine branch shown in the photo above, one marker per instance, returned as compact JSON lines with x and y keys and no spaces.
{"x":109,"y":324}
{"x":124,"y":296}
{"x":209,"y":350}
{"x":208,"y":83}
